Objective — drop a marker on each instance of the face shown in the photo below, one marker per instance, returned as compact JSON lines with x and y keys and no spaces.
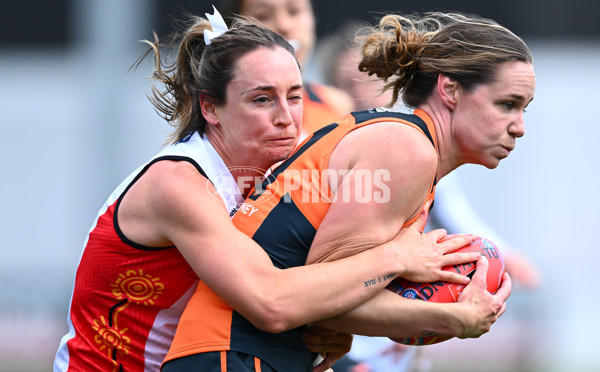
{"x":261,"y":119}
{"x":487,"y":121}
{"x":292,"y":19}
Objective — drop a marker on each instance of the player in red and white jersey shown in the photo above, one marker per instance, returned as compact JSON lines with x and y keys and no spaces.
{"x":128,"y":297}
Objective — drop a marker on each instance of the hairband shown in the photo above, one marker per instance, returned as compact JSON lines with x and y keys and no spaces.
{"x":217,"y":24}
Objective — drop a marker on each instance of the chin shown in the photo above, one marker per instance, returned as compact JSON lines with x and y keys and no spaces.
{"x":492,"y":165}
{"x":281,"y":156}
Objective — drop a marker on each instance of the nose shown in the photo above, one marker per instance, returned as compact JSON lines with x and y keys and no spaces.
{"x":517,"y":128}
{"x":283,"y":115}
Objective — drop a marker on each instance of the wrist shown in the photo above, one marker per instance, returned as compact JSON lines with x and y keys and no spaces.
{"x":389,"y":257}
{"x":453,"y":320}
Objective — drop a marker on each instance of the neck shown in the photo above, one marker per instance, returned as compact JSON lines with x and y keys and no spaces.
{"x":442,"y":118}
{"x":245,"y":173}
{"x":247,"y":178}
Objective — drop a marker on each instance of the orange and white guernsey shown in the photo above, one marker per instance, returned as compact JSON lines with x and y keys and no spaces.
{"x":279,"y":217}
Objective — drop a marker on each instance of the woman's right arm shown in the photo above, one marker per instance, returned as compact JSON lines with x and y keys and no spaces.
{"x":173,"y":204}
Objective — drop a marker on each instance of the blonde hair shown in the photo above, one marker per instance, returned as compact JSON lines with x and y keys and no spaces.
{"x":202,"y":69}
{"x":408,"y":52}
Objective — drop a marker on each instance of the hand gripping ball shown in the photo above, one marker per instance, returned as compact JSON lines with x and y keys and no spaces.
{"x":445,"y":292}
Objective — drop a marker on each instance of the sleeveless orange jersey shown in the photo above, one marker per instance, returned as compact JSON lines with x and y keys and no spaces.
{"x":282,"y":215}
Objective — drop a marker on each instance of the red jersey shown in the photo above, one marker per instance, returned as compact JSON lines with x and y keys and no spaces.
{"x":128,"y":298}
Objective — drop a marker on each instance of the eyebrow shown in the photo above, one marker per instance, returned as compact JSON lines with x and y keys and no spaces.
{"x":263,"y":88}
{"x":520,"y":98}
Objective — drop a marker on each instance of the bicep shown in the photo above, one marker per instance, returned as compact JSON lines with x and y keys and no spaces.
{"x":352,"y":225}
{"x":383,"y":189}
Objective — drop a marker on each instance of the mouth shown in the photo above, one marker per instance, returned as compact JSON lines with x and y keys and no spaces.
{"x":282,"y":141}
{"x":507,"y":150}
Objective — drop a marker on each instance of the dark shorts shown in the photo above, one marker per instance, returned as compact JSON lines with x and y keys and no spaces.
{"x":217,"y":361}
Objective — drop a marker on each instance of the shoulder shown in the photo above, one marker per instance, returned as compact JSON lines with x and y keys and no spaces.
{"x":400,"y":152}
{"x":396,"y":162}
{"x":173,"y":176}
{"x":173,"y":189}
{"x":179,"y":184}
{"x":390,"y":142}
{"x":161,"y":202}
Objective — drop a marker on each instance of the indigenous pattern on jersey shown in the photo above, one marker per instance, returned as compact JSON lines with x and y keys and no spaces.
{"x":276,"y":217}
{"x":127,"y":297}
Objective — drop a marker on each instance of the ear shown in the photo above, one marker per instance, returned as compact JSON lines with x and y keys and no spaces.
{"x":448,"y":91}
{"x":209,"y":109}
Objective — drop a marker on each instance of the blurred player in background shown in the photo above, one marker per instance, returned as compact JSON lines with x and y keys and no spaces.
{"x":295,"y":21}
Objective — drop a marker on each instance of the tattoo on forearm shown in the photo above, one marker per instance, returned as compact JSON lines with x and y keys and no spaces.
{"x":427,"y":333}
{"x":379,"y":279}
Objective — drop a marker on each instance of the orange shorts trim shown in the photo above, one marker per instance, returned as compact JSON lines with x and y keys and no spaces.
{"x":223,"y":361}
{"x":257,"y":364}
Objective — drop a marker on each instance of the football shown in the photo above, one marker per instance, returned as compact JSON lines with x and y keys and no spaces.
{"x":448,"y":292}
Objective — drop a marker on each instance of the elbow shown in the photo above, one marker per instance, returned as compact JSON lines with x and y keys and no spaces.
{"x":272,"y":318}
{"x":270,"y":325}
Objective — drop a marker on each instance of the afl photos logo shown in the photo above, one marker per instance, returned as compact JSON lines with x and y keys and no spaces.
{"x":309,"y":185}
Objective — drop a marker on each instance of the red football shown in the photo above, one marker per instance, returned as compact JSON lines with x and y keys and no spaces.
{"x":448,"y":292}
